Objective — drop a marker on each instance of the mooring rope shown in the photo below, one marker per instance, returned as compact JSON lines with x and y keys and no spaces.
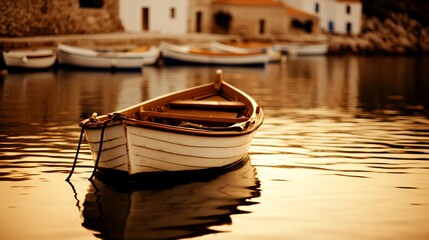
{"x":115,"y":116}
{"x":77,"y":152}
{"x":100,"y":148}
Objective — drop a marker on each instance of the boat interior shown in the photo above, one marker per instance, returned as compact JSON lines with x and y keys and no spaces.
{"x":209,"y":112}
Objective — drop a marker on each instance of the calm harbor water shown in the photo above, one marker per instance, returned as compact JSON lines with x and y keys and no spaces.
{"x":343,"y":154}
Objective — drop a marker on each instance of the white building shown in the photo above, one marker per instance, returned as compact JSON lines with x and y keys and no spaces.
{"x":164,"y":16}
{"x":336,"y":16}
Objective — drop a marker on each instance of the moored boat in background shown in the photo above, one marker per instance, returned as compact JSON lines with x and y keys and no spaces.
{"x":30,"y":59}
{"x":249,"y":47}
{"x":183,"y":54}
{"x":91,"y":58}
{"x":303,"y":48}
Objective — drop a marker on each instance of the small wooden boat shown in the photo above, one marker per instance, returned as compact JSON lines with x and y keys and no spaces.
{"x":30,"y":59}
{"x":208,"y":126}
{"x":249,"y":47}
{"x":175,"y":54}
{"x":90,"y":58}
{"x":303,"y":49}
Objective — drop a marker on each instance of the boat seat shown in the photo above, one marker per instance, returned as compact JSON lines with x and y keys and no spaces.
{"x":208,"y":104}
{"x":190,"y":117}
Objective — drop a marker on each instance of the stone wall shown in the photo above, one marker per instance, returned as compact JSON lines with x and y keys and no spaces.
{"x":21,"y":18}
{"x":246,"y":20}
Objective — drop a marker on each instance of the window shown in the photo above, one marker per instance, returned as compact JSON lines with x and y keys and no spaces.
{"x":261,"y":26}
{"x":316,"y":8}
{"x":348,"y":9}
{"x":172,"y":13}
{"x":91,"y":3}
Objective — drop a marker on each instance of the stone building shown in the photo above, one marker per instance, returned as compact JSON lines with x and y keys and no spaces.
{"x":250,"y":18}
{"x":200,"y":16}
{"x":164,"y":16}
{"x":336,"y":16}
{"x":264,"y":18}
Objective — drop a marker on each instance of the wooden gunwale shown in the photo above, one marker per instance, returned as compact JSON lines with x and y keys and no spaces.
{"x":208,"y":104}
{"x":40,"y":56}
{"x":226,"y":90}
{"x":248,"y":45}
{"x":198,"y":51}
{"x":188,"y":117}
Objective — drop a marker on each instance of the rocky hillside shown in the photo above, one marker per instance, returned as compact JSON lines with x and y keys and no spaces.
{"x":21,"y":18}
{"x":391,"y":27}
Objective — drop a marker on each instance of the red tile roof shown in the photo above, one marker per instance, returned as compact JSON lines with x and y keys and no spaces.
{"x":298,"y":13}
{"x":272,"y":3}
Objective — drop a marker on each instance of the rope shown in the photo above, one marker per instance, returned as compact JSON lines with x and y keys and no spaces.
{"x":116,"y":116}
{"x":77,"y":152}
{"x":99,"y":148}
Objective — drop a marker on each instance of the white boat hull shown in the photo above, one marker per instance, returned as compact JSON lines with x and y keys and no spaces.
{"x":91,"y":59}
{"x":274,"y":55}
{"x":183,"y":55}
{"x":31,"y":59}
{"x":138,"y":150}
{"x":304,"y":49}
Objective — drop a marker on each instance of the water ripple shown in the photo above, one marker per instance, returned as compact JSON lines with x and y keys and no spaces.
{"x":51,"y":150}
{"x":330,"y":141}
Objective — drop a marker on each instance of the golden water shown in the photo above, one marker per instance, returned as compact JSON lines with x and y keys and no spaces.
{"x":343,"y":154}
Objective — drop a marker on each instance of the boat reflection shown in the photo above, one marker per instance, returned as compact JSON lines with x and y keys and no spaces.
{"x":169,"y":210}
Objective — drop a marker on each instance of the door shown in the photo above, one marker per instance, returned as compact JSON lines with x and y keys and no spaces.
{"x":349,"y":28}
{"x":198,"y":20}
{"x":331,"y":26}
{"x":261,"y":26}
{"x":145,"y":19}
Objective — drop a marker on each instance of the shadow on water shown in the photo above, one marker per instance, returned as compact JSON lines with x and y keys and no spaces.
{"x":170,"y":210}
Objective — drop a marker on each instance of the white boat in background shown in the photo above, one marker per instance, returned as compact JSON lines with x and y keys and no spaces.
{"x":176,"y":54}
{"x":303,"y":48}
{"x":204,"y":127}
{"x":30,"y":59}
{"x":90,"y":58}
{"x":249,"y":47}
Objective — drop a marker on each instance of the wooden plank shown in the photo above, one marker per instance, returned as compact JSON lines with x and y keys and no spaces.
{"x":187,"y":117}
{"x":208,"y":104}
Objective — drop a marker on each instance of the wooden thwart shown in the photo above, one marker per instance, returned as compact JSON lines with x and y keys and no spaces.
{"x":188,"y":117}
{"x":208,"y":104}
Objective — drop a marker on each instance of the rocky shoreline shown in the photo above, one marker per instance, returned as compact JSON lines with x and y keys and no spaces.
{"x":398,"y":34}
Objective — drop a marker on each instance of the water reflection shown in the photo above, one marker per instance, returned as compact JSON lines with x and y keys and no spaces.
{"x":171,"y":210}
{"x":345,"y":139}
{"x":394,"y":85}
{"x":349,"y":84}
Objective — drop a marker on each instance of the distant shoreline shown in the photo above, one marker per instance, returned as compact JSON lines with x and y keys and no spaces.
{"x":370,"y":42}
